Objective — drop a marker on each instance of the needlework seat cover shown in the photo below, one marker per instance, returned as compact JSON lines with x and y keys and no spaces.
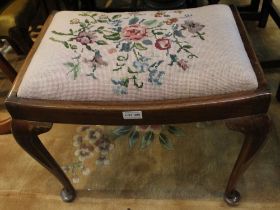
{"x":139,"y":56}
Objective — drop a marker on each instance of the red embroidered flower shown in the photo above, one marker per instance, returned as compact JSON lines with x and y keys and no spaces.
{"x":134,"y":32}
{"x":163,"y":44}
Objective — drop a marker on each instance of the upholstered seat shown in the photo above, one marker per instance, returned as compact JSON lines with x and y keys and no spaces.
{"x":91,"y":56}
{"x":125,"y":69}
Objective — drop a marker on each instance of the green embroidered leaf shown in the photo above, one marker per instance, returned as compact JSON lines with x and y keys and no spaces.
{"x":160,"y":24}
{"x":173,"y":58}
{"x":83,"y":25}
{"x":73,"y":46}
{"x":122,"y":58}
{"x":125,"y":82}
{"x":147,"y":139}
{"x":100,"y":28}
{"x":134,"y":135}
{"x":102,"y":21}
{"x":83,"y":14}
{"x":135,"y":82}
{"x":88,"y":47}
{"x":133,"y":20}
{"x":92,"y":75}
{"x":147,"y":42}
{"x":122,"y":130}
{"x":130,"y":71}
{"x":69,"y":64}
{"x":101,"y":42}
{"x":60,"y":33}
{"x":86,"y":21}
{"x":66,"y":44}
{"x":175,"y":130}
{"x":117,"y":69}
{"x":116,"y":16}
{"x":75,"y":68}
{"x":158,"y":33}
{"x":165,"y":142}
{"x":139,"y":46}
{"x":149,"y":22}
{"x":187,"y":46}
{"x":114,"y":36}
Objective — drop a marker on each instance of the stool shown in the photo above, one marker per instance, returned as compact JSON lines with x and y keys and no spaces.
{"x":155,"y":67}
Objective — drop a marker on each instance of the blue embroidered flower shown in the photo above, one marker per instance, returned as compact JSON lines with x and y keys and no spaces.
{"x":126,"y":47}
{"x":156,"y":77}
{"x":120,"y":90}
{"x":140,"y":66}
{"x":121,"y":86}
{"x":116,"y":22}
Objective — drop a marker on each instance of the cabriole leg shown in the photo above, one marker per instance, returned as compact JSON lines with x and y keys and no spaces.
{"x":255,"y":128}
{"x":26,"y":134}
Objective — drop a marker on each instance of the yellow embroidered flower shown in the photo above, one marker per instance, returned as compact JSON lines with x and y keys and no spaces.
{"x":75,"y":21}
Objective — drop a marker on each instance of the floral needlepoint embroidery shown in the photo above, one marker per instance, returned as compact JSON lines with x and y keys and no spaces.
{"x":134,"y":47}
{"x":75,"y":21}
{"x":183,"y":64}
{"x":171,"y":21}
{"x":163,"y":44}
{"x":134,"y":32}
{"x":86,"y":37}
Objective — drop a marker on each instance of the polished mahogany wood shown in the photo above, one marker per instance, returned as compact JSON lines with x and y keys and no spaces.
{"x":26,"y":134}
{"x":255,"y":129}
{"x":249,"y":106}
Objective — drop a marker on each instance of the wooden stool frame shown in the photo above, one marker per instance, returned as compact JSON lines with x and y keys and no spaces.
{"x":244,"y":111}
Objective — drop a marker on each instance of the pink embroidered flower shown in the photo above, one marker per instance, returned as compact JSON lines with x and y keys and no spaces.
{"x":163,"y":44}
{"x":86,"y":37}
{"x":112,"y":50}
{"x":183,"y":64}
{"x":134,"y":32}
{"x":171,"y":21}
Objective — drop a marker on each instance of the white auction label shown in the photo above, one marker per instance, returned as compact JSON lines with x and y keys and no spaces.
{"x":132,"y":115}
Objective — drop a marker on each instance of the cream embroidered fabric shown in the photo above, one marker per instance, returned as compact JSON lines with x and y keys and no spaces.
{"x":91,"y":56}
